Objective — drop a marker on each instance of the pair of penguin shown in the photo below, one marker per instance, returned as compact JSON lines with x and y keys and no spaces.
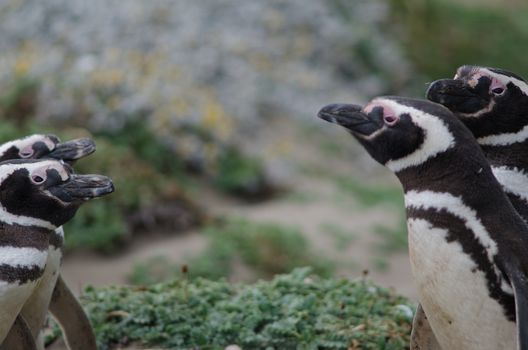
{"x":462,"y":159}
{"x":38,"y":194}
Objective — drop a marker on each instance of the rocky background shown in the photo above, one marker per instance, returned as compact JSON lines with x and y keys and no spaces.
{"x":201,"y":73}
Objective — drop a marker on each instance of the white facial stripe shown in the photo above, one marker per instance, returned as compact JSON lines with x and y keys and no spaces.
{"x":437,"y":138}
{"x":26,"y":141}
{"x":480,"y":112}
{"x":504,"y":139}
{"x":506,"y":79}
{"x":23,"y":256}
{"x":512,"y":180}
{"x":8,"y":169}
{"x":455,"y":206}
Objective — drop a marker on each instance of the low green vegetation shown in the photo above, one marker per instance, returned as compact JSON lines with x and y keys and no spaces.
{"x":392,"y":238}
{"x":264,"y":248}
{"x":343,"y":238}
{"x":293,"y":311}
{"x":440,"y":35}
{"x":370,"y":195}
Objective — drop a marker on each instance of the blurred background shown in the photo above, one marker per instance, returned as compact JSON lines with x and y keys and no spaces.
{"x":204,"y":114}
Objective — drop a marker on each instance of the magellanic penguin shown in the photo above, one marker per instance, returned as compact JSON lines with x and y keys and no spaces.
{"x":493,"y":104}
{"x":36,"y":197}
{"x":467,"y":244}
{"x":64,"y":306}
{"x":70,"y":315}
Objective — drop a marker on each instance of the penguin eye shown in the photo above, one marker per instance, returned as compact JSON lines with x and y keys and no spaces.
{"x":25,"y":153}
{"x":38,"y":179}
{"x":498,"y":91}
{"x":390,"y":119}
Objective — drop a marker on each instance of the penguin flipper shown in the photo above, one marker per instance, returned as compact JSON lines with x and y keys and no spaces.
{"x":76,"y":327}
{"x":519,"y":283}
{"x":19,"y":337}
{"x":422,"y":336}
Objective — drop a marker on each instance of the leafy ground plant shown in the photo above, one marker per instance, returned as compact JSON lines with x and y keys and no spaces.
{"x":292,"y":311}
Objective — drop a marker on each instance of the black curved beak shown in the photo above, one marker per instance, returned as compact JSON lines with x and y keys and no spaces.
{"x":83,"y":188}
{"x":73,"y":150}
{"x":349,"y":116}
{"x":443,"y":88}
{"x":456,"y":95}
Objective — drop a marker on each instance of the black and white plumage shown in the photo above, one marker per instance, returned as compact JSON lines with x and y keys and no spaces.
{"x":36,"y":197}
{"x":36,"y":307}
{"x":493,"y":104}
{"x":466,"y":241}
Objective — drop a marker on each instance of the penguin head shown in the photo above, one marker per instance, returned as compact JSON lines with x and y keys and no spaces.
{"x":489,"y":101}
{"x":401,"y":132}
{"x":45,"y":193}
{"x":46,"y":146}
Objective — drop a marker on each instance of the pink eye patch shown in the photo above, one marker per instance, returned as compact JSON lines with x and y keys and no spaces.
{"x":496,"y":86}
{"x":389,"y":117}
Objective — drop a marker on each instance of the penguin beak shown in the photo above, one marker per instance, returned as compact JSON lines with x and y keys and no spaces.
{"x":350,"y":117}
{"x":73,"y":150}
{"x":456,"y":95}
{"x":82,"y":188}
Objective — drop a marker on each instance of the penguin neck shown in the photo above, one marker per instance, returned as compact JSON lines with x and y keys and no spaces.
{"x":513,"y":155}
{"x":23,"y":253}
{"x":460,"y":172}
{"x":15,"y":235}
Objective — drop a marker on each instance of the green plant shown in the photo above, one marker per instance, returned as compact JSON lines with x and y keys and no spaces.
{"x":293,"y":311}
{"x":342,"y":237}
{"x":239,"y":174}
{"x":18,"y":99}
{"x":266,"y":248}
{"x":440,"y":35}
{"x":370,"y":195}
{"x":394,"y":238}
{"x":136,"y":135}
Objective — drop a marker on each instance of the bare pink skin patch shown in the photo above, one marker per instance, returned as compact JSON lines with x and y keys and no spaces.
{"x":26,"y":152}
{"x":497,"y":87}
{"x":389,"y":116}
{"x":39,"y":175}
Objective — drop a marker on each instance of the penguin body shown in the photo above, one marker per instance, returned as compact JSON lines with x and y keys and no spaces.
{"x":36,"y":306}
{"x":493,"y":104}
{"x":36,"y":198}
{"x":465,"y":238}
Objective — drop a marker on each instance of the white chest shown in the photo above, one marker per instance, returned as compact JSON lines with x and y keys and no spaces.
{"x":36,"y":307}
{"x":454,"y":294}
{"x":13,"y":295}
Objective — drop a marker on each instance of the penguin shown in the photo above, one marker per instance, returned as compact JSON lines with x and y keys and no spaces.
{"x":36,"y":197}
{"x":70,"y":315}
{"x":466,"y":241}
{"x":493,"y":104}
